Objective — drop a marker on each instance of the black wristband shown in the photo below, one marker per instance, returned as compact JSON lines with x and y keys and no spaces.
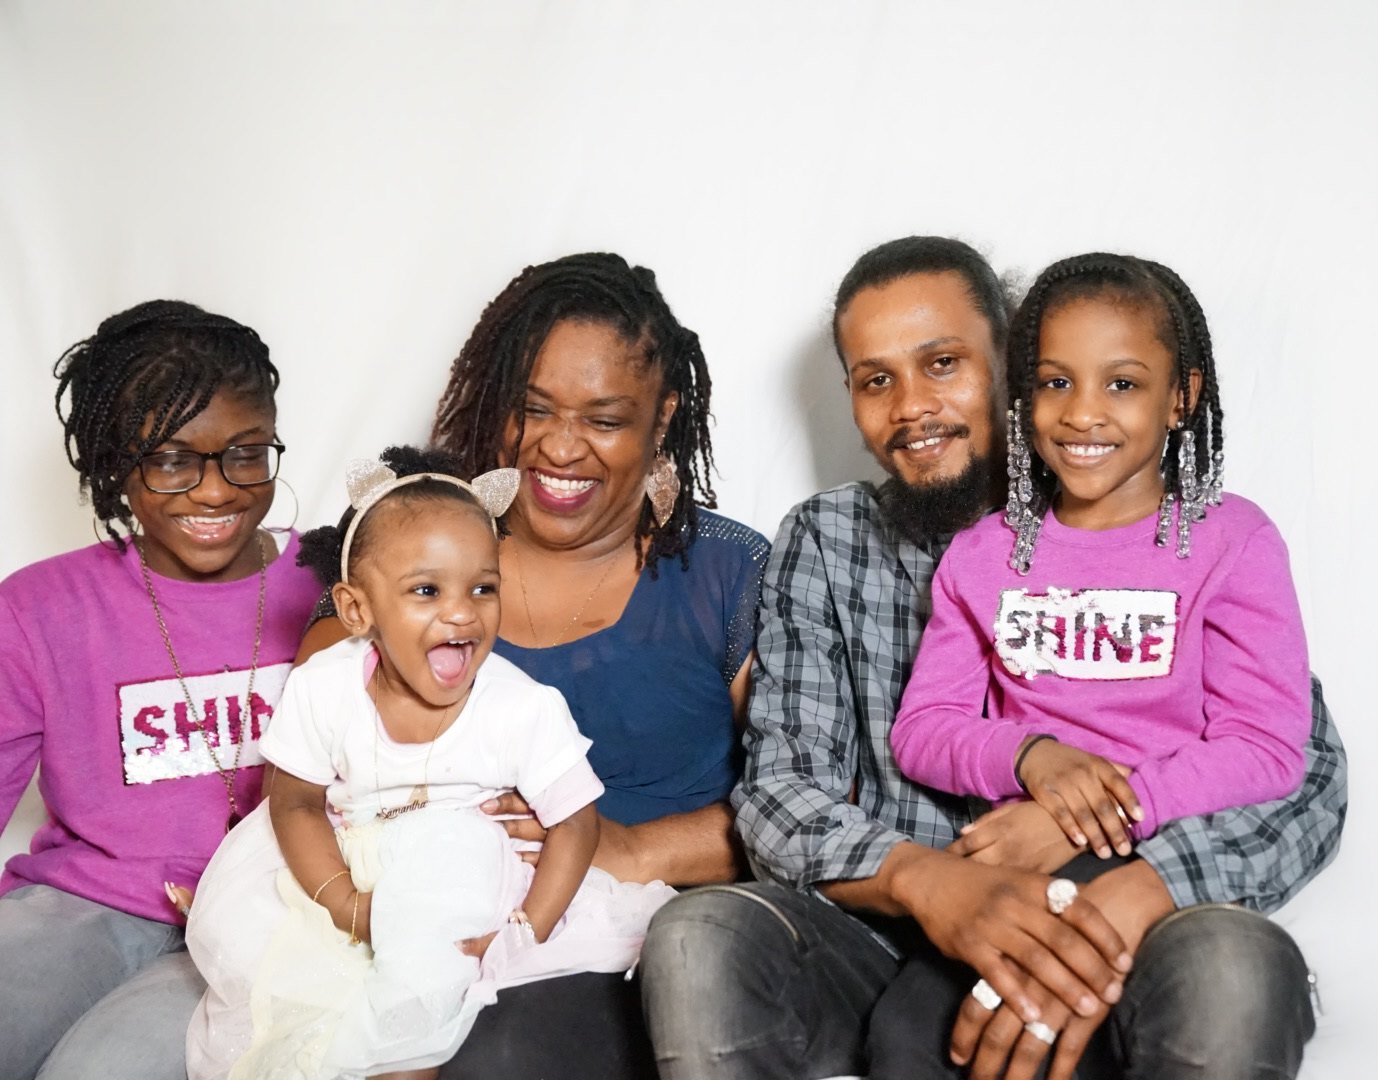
{"x":1019,"y":759}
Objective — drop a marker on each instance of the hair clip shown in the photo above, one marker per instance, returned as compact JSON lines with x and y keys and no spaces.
{"x":367,"y":482}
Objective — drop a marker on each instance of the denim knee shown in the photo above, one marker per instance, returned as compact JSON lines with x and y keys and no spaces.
{"x":758,"y":981}
{"x":1216,"y":992}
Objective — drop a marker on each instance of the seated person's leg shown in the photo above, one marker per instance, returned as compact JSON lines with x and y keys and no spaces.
{"x":138,"y":1031}
{"x":62,"y":955}
{"x":579,"y":1027}
{"x":911,"y":1026}
{"x":759,"y":981}
{"x":1216,"y":992}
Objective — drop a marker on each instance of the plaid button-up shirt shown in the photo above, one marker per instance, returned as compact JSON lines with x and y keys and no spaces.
{"x":844,"y":603}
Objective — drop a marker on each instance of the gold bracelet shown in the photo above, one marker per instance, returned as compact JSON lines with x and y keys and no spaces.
{"x":315,"y":896}
{"x":354,"y":920}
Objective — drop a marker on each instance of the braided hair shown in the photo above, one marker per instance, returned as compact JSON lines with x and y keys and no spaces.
{"x":142,"y":376}
{"x":488,"y":380}
{"x":1180,"y":325}
{"x":318,"y":550}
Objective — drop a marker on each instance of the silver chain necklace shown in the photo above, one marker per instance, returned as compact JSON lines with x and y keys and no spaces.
{"x":227,"y":776}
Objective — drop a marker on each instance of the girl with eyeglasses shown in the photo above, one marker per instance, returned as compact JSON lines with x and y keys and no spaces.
{"x":138,"y":674}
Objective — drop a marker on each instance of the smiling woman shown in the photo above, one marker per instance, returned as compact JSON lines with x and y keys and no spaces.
{"x":140,"y":672}
{"x":620,"y":590}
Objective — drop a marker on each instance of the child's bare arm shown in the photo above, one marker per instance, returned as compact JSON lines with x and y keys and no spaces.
{"x":565,"y":859}
{"x":297,"y":811}
{"x":1087,"y":795}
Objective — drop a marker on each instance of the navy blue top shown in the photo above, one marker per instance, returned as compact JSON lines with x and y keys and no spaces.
{"x":651,"y":690}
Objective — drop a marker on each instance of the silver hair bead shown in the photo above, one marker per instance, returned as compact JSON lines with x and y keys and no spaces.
{"x":1020,"y":514}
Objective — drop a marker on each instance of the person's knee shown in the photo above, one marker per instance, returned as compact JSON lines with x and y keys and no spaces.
{"x":138,"y":1030}
{"x":1218,"y":991}
{"x":710,"y":938}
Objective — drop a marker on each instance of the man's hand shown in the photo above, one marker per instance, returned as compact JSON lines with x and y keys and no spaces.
{"x":997,"y":921}
{"x":1088,"y":795}
{"x":1021,"y":835}
{"x":1133,"y":898}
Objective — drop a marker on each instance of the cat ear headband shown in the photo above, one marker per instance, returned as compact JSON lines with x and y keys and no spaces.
{"x":369,"y":481}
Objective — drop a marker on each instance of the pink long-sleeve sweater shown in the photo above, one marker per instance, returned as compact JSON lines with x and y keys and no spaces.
{"x":1192,"y":671}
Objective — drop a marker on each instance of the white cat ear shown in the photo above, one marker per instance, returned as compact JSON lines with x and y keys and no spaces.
{"x":366,"y":480}
{"x":497,"y":489}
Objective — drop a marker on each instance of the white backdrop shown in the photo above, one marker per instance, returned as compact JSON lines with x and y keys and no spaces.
{"x":355,"y":180}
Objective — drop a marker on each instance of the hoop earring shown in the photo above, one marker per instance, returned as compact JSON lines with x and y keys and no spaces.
{"x":296,"y":508}
{"x":105,"y":539}
{"x":662,"y":488}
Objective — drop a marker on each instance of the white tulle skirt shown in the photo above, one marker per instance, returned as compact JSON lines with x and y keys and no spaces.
{"x":289,"y":997}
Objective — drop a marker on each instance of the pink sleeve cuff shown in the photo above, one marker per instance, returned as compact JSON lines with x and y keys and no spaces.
{"x":569,"y":793}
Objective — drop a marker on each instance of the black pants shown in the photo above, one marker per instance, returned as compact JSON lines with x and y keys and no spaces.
{"x":580,"y":1027}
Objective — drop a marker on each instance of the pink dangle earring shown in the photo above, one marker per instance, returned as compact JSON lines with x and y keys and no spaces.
{"x":662,"y":488}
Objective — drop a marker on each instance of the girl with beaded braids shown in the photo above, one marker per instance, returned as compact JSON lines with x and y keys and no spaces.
{"x":1140,"y":654}
{"x":620,"y":590}
{"x":139,"y":673}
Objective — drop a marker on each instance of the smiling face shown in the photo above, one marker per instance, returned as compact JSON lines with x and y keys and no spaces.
{"x":1105,"y":396}
{"x":920,"y":369}
{"x":593,"y":420}
{"x":425,"y":588}
{"x":207,"y":533}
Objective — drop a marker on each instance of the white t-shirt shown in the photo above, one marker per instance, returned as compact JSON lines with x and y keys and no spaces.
{"x":513,"y":733}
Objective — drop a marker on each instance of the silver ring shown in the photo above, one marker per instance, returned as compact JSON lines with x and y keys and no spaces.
{"x":985,"y":995}
{"x":1061,"y":893}
{"x":1041,"y":1031}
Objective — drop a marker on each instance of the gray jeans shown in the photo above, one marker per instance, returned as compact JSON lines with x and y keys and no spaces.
{"x":757,"y":981}
{"x":88,"y":991}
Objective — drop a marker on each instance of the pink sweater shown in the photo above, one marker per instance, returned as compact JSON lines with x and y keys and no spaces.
{"x":88,"y":693}
{"x":1192,"y":671}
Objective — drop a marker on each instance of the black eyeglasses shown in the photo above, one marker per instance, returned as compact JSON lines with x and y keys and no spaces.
{"x":169,"y":472}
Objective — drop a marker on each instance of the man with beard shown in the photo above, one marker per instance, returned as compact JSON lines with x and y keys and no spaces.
{"x":861,"y":948}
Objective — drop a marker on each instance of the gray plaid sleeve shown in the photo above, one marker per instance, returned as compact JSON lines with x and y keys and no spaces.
{"x":1260,"y":856}
{"x":793,"y":808}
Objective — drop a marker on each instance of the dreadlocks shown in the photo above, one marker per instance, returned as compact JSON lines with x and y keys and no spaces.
{"x":488,"y":380}
{"x":1180,"y":325}
{"x":141,"y":377}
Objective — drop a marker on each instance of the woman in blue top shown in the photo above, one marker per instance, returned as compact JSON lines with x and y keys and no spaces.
{"x":619,"y":590}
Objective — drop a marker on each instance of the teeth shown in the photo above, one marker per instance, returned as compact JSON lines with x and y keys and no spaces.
{"x":557,"y":483}
{"x":925,"y":442}
{"x":212,"y":522}
{"x":1087,"y":449}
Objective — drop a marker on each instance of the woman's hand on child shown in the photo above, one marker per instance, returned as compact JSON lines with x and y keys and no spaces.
{"x":1088,"y":796}
{"x":1021,"y":835}
{"x":523,"y":826}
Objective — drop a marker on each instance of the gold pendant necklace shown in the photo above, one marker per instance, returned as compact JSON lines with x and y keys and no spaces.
{"x":421,"y":793}
{"x":574,"y":619}
{"x":227,"y":776}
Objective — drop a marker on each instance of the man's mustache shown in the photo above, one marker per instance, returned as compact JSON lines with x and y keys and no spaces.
{"x":907,"y":435}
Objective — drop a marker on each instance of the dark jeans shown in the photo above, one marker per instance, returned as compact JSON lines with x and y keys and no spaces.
{"x":759,"y":981}
{"x":579,"y":1027}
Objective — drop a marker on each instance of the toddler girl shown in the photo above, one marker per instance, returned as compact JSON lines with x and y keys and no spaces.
{"x":1129,"y":677}
{"x":355,"y":925}
{"x":139,"y":673}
